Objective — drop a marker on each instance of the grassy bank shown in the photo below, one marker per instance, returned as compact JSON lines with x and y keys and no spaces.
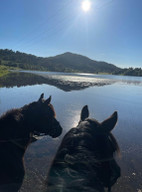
{"x":4,"y":70}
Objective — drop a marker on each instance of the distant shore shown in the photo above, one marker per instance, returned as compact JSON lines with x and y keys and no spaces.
{"x":4,"y":70}
{"x":66,"y":62}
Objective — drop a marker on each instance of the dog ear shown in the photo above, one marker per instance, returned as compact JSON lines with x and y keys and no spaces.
{"x":84,"y":113}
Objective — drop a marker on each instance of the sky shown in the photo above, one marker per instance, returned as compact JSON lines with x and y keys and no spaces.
{"x":110,"y":31}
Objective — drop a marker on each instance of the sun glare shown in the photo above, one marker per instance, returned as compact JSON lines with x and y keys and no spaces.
{"x":86,"y":5}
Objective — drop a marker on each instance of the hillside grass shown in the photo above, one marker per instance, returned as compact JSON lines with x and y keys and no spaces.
{"x":4,"y":70}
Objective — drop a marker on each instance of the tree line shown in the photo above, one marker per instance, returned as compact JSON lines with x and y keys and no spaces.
{"x":64,"y":63}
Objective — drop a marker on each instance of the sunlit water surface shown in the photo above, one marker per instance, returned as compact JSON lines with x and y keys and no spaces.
{"x":124,"y":96}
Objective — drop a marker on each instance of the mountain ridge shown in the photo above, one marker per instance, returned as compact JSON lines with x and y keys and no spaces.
{"x":70,"y":61}
{"x":65,"y":62}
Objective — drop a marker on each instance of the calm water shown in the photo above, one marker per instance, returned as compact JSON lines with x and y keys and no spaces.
{"x":122,"y":94}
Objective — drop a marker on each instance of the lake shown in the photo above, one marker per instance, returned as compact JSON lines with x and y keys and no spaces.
{"x":103,"y":94}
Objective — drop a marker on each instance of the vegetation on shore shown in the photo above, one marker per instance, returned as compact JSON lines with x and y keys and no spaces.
{"x":67,"y":62}
{"x":3,"y":70}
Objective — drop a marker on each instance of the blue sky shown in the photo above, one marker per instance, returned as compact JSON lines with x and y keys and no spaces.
{"x":111,"y":31}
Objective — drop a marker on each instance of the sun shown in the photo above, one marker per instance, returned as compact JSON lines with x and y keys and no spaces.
{"x":86,"y":5}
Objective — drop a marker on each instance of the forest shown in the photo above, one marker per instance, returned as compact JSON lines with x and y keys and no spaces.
{"x":67,"y":62}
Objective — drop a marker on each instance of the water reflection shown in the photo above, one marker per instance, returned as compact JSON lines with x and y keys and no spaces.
{"x":20,"y":79}
{"x":66,"y":83}
{"x":123,"y":95}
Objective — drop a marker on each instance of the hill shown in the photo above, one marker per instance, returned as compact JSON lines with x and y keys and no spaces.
{"x":74,"y":62}
{"x":67,"y":62}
